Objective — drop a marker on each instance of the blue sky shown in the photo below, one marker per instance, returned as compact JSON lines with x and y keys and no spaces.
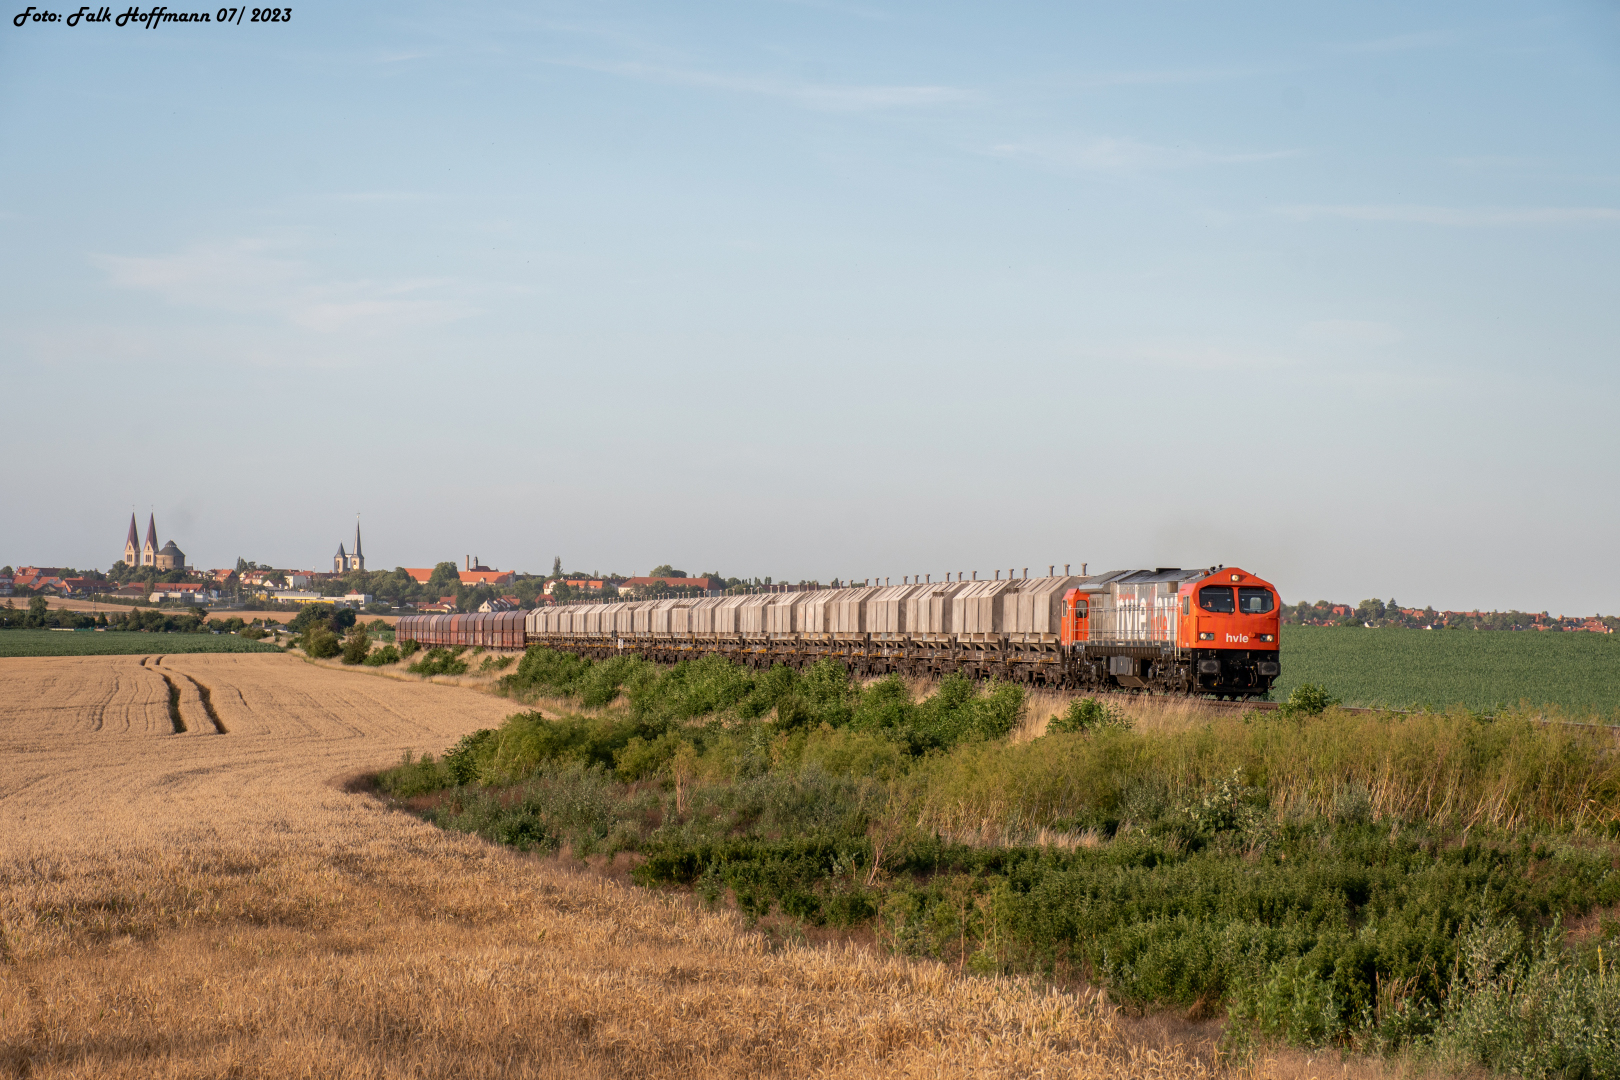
{"x":823,"y":289}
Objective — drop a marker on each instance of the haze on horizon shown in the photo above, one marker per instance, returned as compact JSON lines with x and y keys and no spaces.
{"x":818,"y":290}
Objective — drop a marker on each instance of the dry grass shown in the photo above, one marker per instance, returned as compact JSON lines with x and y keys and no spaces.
{"x":224,"y":905}
{"x":1147,"y":712}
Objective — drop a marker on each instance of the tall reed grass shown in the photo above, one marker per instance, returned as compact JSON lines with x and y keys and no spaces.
{"x":1448,"y":769}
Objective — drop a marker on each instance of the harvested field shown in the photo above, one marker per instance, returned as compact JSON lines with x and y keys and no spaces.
{"x":220,"y":903}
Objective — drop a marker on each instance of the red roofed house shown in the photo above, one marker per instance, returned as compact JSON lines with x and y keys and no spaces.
{"x":639,"y":584}
{"x":574,"y":583}
{"x":476,"y":573}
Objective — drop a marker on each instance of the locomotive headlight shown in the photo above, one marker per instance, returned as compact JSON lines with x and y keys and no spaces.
{"x":1206,"y":636}
{"x":1268,"y":637}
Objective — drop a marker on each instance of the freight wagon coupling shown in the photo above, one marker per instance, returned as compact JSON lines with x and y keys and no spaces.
{"x":1163,"y":631}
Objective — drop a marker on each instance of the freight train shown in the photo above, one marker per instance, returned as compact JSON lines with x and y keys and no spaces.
{"x":1170,"y":631}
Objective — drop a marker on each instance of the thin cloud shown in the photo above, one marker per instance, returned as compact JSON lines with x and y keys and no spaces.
{"x":255,"y":276}
{"x":826,"y":97}
{"x":1456,"y":216}
{"x":1127,"y":155}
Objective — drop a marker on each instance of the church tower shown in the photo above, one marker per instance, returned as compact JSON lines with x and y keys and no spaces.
{"x":132,"y":546}
{"x":340,"y":561}
{"x":149,"y":550}
{"x":357,"y":561}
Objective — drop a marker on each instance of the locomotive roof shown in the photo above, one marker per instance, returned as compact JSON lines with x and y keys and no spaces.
{"x":1142,"y":577}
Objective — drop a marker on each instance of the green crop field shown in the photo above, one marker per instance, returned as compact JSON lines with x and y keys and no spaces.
{"x":117,"y":643}
{"x":1483,"y":669}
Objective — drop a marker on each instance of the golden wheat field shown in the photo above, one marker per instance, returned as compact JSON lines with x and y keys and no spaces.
{"x":218,"y":902}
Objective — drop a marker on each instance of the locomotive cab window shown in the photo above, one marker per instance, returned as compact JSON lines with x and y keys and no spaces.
{"x":1254,"y":601}
{"x":1216,"y":598}
{"x":1081,"y":609}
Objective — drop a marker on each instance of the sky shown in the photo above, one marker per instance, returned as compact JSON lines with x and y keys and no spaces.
{"x":817,"y":290}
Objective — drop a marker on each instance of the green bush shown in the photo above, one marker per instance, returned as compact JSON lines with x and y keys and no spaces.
{"x":1307,"y":699}
{"x":573,"y":804}
{"x":1088,"y":714}
{"x":408,"y":649}
{"x":414,"y":776}
{"x":388,"y":654}
{"x":1542,"y":1012}
{"x":357,"y":646}
{"x":320,"y":643}
{"x":440,"y":662}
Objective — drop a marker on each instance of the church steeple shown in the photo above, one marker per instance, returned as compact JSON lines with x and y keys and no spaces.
{"x":357,"y":561}
{"x":132,"y":546}
{"x":149,"y":549}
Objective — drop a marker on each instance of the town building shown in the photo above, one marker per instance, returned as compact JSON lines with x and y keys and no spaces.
{"x":637,"y":586}
{"x":476,"y":573}
{"x":189,"y":592}
{"x":581,"y":584}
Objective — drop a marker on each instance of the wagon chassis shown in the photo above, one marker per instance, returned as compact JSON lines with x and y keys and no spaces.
{"x":1113,"y":667}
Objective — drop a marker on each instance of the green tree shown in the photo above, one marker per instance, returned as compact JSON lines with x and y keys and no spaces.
{"x":1370,"y":610}
{"x":444,"y":575}
{"x":556,"y":566}
{"x":320,"y":643}
{"x":357,"y":647}
{"x":36,"y":610}
{"x":666,"y":571}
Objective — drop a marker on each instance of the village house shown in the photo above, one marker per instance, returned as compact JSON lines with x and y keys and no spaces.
{"x":637,"y":585}
{"x":582,"y":584}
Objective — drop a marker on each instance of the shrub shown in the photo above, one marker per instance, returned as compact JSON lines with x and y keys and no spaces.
{"x":573,"y":804}
{"x":465,"y":761}
{"x":357,"y":647}
{"x":320,"y":643}
{"x":1307,"y":699}
{"x":1088,"y":714}
{"x":413,"y":776}
{"x":408,"y":649}
{"x":388,"y":654}
{"x":1544,"y":1013}
{"x":440,"y":662}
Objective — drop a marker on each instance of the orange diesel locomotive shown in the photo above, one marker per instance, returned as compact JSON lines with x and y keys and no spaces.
{"x":1173,"y":631}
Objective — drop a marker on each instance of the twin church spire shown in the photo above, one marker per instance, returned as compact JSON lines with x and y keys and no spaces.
{"x":167,"y":557}
{"x":343,"y":562}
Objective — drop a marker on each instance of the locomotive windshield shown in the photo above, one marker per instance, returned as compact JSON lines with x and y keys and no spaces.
{"x":1254,"y":601}
{"x":1216,"y":598}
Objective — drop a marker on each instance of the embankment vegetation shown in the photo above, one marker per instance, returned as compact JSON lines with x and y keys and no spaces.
{"x":1435,"y":883}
